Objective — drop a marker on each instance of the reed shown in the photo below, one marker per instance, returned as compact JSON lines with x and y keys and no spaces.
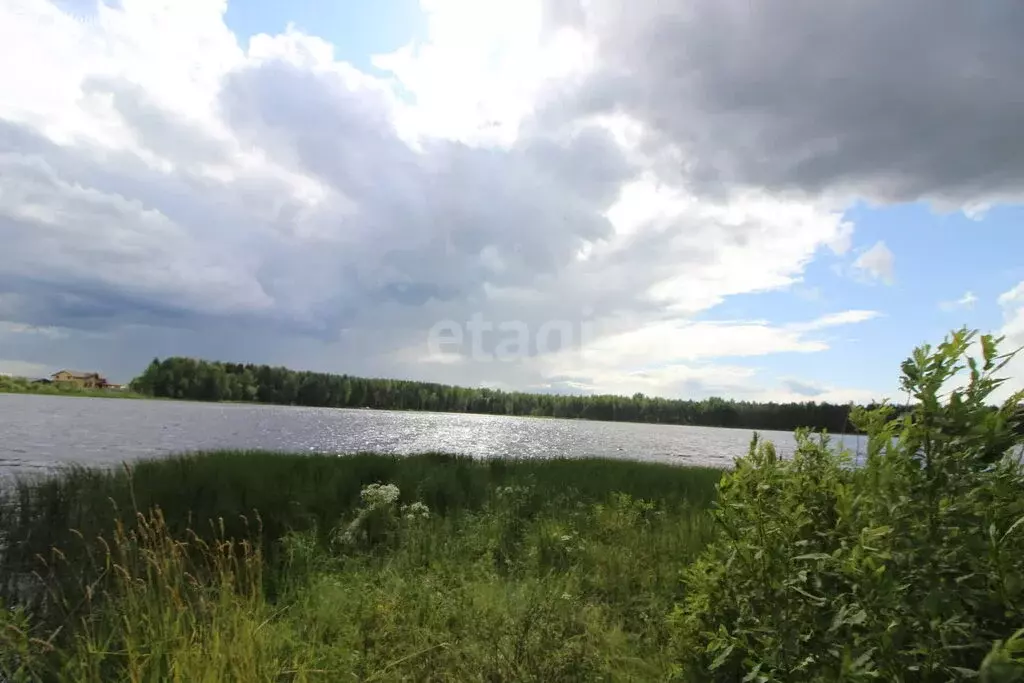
{"x":233,"y":566}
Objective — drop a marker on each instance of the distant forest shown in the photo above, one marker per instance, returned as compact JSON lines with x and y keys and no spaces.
{"x":187,"y":378}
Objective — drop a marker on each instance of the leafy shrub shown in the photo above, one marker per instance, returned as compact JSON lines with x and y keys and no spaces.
{"x":908,"y":568}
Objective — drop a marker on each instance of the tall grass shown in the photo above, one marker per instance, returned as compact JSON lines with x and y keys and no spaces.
{"x":235,"y":566}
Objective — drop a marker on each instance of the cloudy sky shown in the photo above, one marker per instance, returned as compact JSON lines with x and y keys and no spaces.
{"x":680,"y":197}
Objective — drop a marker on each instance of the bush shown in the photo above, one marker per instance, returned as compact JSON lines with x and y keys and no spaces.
{"x":909,"y":568}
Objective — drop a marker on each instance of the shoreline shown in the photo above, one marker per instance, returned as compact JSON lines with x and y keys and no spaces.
{"x":144,"y":397}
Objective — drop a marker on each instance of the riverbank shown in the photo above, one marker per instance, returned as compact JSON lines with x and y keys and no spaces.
{"x":22,"y":385}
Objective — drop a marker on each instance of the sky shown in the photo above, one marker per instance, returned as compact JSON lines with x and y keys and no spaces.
{"x":761,"y":201}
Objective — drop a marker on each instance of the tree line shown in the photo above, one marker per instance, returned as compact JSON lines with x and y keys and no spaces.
{"x":192,"y":379}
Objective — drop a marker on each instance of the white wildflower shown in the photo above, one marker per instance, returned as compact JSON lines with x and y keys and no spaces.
{"x":379,"y":495}
{"x":416,"y":510}
{"x":512,"y":491}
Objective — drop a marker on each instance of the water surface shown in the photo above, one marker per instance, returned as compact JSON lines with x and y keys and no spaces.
{"x":40,"y":433}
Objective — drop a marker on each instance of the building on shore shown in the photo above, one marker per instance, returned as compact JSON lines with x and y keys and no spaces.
{"x":85,"y":380}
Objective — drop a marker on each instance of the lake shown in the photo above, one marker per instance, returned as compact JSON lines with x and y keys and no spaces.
{"x":42,"y":433}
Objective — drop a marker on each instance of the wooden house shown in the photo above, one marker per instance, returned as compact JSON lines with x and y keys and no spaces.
{"x":86,"y":380}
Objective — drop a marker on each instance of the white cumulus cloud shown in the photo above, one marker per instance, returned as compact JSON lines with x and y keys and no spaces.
{"x":1012,"y":304}
{"x":876,"y":264}
{"x":966,"y":302}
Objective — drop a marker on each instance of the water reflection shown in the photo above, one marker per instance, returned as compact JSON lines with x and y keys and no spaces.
{"x":43,"y":432}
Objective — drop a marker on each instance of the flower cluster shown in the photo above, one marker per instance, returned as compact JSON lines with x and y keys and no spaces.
{"x":379,"y":518}
{"x":415,"y":510}
{"x":379,"y":495}
{"x":512,"y":492}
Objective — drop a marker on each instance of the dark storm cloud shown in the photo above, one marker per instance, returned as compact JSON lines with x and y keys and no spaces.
{"x":894,"y":101}
{"x":80,"y":246}
{"x":95,"y":238}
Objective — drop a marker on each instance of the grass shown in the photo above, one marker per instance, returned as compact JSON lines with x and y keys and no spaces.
{"x":23,"y":385}
{"x":273,"y":567}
